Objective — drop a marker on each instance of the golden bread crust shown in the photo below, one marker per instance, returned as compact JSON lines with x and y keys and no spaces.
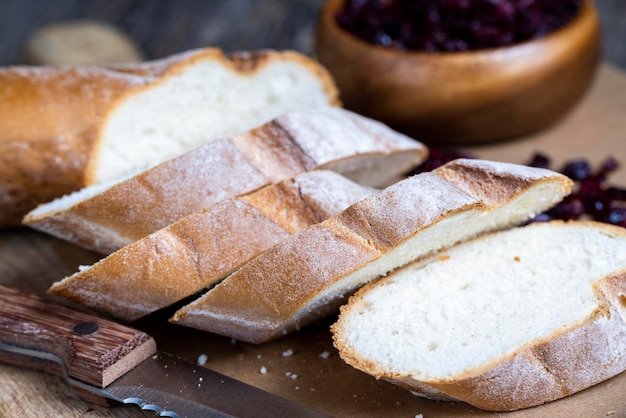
{"x":201,"y":248}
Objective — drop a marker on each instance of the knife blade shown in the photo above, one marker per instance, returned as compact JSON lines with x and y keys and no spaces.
{"x":106,"y":363}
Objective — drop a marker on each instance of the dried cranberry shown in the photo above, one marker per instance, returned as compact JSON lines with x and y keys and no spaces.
{"x":598,"y":207}
{"x":539,"y":160}
{"x":570,"y":208}
{"x":617,"y":193}
{"x":616,"y":216}
{"x":610,"y":164}
{"x":591,"y":196}
{"x":438,"y":157}
{"x":453,"y":25}
{"x":577,"y":170}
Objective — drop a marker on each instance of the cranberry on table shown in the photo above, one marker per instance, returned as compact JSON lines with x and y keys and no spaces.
{"x":438,"y":157}
{"x":577,"y":170}
{"x":592,"y":196}
{"x":539,"y":160}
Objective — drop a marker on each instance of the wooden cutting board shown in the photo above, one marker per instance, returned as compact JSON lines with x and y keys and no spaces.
{"x":305,"y":367}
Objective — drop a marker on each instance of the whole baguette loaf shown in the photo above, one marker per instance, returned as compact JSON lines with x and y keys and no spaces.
{"x":308,"y":275}
{"x":200,"y":249}
{"x":105,"y":218}
{"x":509,"y":320}
{"x":63,"y":128}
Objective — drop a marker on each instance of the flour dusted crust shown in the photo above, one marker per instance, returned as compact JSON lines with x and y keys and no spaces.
{"x":567,"y":360}
{"x":106,"y":220}
{"x":201,"y":248}
{"x":51,"y":118}
{"x":307,"y":276}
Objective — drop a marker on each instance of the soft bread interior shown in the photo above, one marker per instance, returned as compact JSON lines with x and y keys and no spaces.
{"x":480,"y":301}
{"x":203,"y":102}
{"x":448,"y":231}
{"x":429,"y":240}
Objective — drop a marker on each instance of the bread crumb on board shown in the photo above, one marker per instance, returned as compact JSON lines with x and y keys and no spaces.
{"x":324,"y":354}
{"x":202,"y":359}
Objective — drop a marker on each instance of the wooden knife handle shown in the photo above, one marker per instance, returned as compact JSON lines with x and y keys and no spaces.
{"x":58,"y":340}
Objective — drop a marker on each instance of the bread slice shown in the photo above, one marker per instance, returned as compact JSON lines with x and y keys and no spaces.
{"x":200,"y":249}
{"x":506,"y":321}
{"x":204,"y":98}
{"x":62,"y":128}
{"x":308,"y":275}
{"x":105,"y":218}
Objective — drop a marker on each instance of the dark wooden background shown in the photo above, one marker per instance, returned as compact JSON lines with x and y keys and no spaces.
{"x":163,"y":27}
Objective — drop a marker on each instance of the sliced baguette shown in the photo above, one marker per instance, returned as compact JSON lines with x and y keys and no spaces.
{"x":506,"y":321}
{"x":308,"y":275}
{"x":105,"y":218}
{"x":200,"y":249}
{"x":63,"y":128}
{"x":48,"y":118}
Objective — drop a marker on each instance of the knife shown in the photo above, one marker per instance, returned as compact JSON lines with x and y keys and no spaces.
{"x":107,"y":363}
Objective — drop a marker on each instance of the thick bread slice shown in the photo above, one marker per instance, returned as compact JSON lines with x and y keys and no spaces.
{"x":105,"y":218}
{"x":203,"y":98}
{"x":506,"y":321}
{"x":200,"y":249}
{"x":62,"y":128}
{"x":310,"y":274}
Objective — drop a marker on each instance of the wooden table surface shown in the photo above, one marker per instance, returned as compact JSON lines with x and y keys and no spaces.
{"x":32,"y":261}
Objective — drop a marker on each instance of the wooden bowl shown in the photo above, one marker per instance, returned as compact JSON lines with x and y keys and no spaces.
{"x":455,"y":98}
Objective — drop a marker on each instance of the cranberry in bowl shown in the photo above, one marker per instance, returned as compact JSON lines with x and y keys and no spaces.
{"x":458,"y":72}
